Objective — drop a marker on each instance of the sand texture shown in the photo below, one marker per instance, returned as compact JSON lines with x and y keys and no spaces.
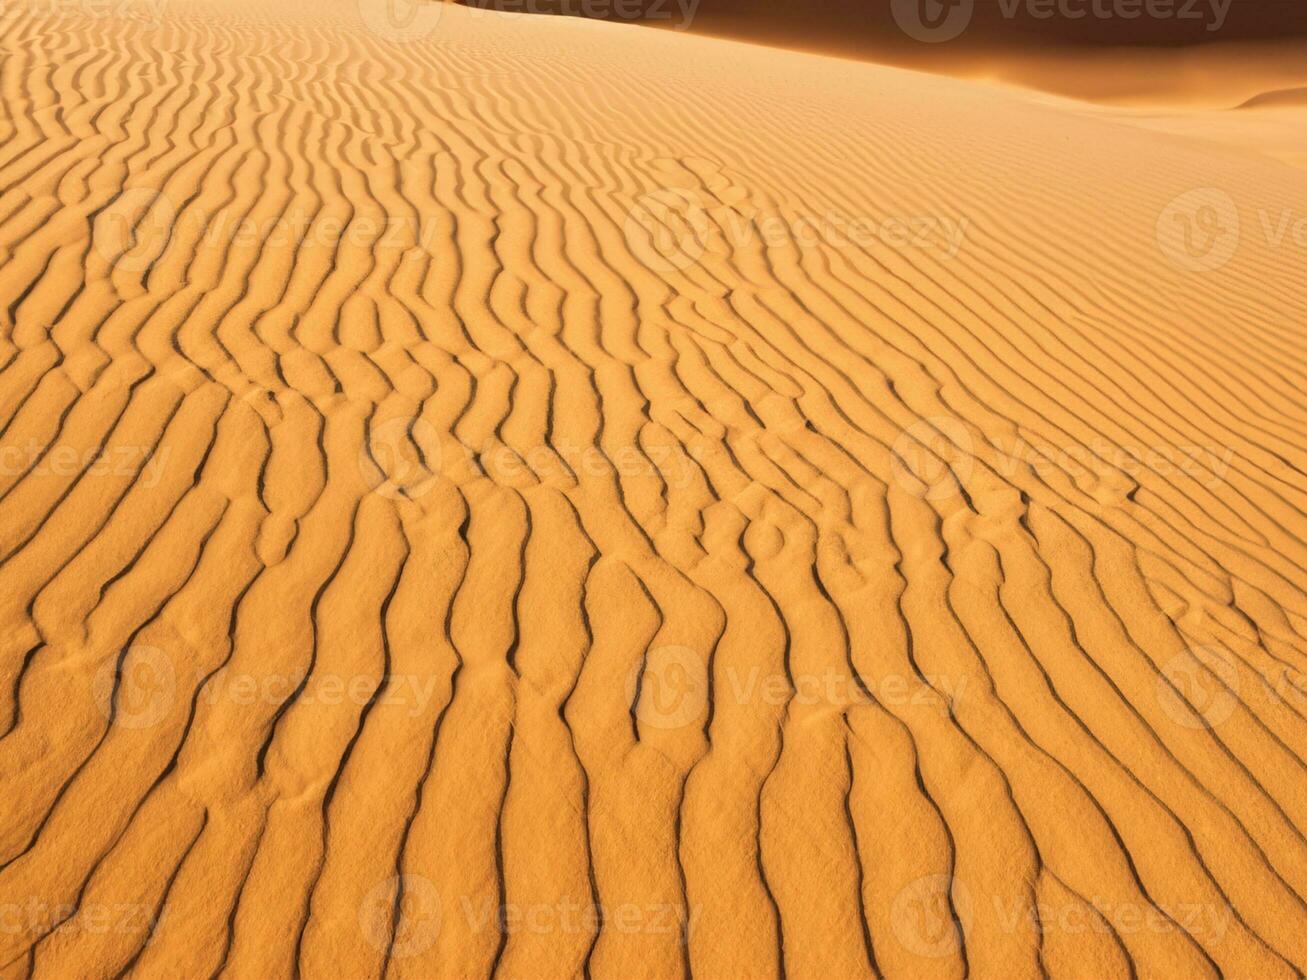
{"x":487,"y":495}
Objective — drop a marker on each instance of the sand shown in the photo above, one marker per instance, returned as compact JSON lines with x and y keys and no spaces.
{"x":490,"y":495}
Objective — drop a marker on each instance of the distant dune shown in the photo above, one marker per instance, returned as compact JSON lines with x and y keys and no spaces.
{"x":1115,"y":50}
{"x":861,"y":27}
{"x":1283,"y":97}
{"x":535,"y":498}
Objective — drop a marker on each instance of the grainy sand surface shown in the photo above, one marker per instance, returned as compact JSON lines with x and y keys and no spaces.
{"x":523,"y":497}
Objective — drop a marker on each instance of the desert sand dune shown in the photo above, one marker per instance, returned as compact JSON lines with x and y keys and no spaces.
{"x":854,"y":26}
{"x":1133,"y":51}
{"x":533,"y":498}
{"x":1279,"y":98}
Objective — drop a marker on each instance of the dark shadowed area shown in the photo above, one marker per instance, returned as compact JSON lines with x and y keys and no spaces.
{"x":1102,"y":49}
{"x":859,"y":26}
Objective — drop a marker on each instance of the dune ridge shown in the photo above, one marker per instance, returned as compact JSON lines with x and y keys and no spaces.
{"x":522,"y":497}
{"x":1164,"y":52}
{"x":1279,"y":97}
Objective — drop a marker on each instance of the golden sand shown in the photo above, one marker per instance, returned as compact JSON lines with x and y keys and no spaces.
{"x":497,"y":495}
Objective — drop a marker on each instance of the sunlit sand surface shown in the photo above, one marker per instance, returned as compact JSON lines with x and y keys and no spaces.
{"x":511,"y":496}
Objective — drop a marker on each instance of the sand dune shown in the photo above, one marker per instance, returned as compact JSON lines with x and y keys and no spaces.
{"x":527,"y":497}
{"x":1280,"y":97}
{"x":1120,"y":51}
{"x":854,"y":26}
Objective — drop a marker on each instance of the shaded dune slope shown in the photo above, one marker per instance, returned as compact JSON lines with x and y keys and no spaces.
{"x":1281,"y":97}
{"x":1105,"y":50}
{"x":858,"y":27}
{"x":458,"y":517}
